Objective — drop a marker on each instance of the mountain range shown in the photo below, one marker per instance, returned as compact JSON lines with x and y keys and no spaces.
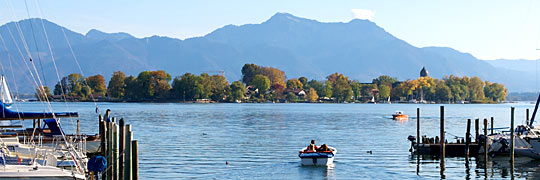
{"x":301,"y":47}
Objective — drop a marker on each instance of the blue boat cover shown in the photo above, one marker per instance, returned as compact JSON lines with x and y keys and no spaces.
{"x":53,"y":126}
{"x":8,"y":114}
{"x":315,"y":155}
{"x":97,"y":164}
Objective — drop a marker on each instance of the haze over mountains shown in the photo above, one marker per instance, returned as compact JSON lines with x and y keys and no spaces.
{"x":301,"y":47}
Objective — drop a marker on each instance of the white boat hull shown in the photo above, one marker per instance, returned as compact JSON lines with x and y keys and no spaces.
{"x":41,"y":172}
{"x":318,"y":158}
{"x":317,"y":161}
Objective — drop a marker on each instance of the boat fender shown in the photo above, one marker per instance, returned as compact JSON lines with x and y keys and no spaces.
{"x":97,"y":164}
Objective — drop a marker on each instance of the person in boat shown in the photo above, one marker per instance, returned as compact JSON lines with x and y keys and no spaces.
{"x":323,"y":147}
{"x":312,"y":146}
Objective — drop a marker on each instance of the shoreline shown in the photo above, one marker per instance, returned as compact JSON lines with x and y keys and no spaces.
{"x":269,"y":102}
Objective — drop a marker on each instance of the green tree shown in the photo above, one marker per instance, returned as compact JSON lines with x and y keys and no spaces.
{"x":248,"y":73}
{"x":43,"y":93}
{"x":262,"y":83}
{"x":75,"y":84}
{"x":495,"y":92}
{"x":384,"y":91}
{"x":62,"y":87}
{"x":148,"y":80}
{"x":304,"y":82}
{"x":85,"y":92}
{"x":442,"y":92}
{"x":161,"y":90}
{"x":144,"y":80}
{"x":237,"y":91}
{"x":116,"y":85}
{"x":70,"y":86}
{"x":476,"y":87}
{"x":220,"y":87}
{"x":367,"y":90}
{"x":188,"y":87}
{"x":132,"y":88}
{"x":385,"y":80}
{"x":318,"y":86}
{"x":294,"y":84}
{"x":291,"y":97}
{"x":327,"y":90}
{"x":341,"y":90}
{"x":356,"y":89}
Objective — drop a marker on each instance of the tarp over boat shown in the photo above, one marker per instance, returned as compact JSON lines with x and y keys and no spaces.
{"x":8,"y":114}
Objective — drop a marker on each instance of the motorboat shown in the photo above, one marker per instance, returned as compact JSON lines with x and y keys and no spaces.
{"x":399,"y":116}
{"x":317,"y":158}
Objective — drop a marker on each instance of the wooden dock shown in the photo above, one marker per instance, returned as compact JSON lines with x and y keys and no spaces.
{"x":119,"y":148}
{"x":452,"y":149}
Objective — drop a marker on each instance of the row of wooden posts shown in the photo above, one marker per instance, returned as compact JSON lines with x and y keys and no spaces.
{"x":468,"y":137}
{"x":119,"y":149}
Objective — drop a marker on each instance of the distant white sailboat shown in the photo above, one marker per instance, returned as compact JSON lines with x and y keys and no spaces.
{"x":5,"y":95}
{"x":389,"y":102}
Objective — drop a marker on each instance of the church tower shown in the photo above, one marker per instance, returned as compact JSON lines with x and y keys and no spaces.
{"x":424,"y":72}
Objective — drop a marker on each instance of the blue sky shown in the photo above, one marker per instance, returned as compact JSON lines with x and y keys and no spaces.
{"x":487,"y":29}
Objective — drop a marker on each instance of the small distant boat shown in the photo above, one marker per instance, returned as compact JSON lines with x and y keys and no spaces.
{"x":400,"y":116}
{"x":317,"y":158}
{"x":5,"y":95}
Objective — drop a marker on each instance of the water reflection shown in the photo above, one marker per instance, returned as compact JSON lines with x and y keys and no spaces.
{"x":315,"y":172}
{"x":498,"y":167}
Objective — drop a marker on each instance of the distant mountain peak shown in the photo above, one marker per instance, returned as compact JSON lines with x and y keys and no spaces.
{"x":100,"y":35}
{"x":286,"y":17}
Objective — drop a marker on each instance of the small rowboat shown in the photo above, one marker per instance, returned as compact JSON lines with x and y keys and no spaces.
{"x":400,"y":116}
{"x":317,"y":158}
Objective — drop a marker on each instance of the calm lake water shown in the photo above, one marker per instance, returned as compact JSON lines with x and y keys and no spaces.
{"x":261,"y":141}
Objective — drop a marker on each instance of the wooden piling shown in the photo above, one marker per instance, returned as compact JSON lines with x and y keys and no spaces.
{"x":476,"y":127}
{"x":417,"y":129}
{"x":121,"y":148}
{"x":135,"y":159}
{"x":486,"y":139}
{"x":114,"y":143}
{"x":442,"y":141}
{"x":527,"y":117}
{"x":492,"y":119}
{"x":78,"y":128}
{"x":102,"y":134}
{"x":467,"y":139}
{"x":512,"y":135}
{"x":109,"y":151}
{"x":128,"y":166}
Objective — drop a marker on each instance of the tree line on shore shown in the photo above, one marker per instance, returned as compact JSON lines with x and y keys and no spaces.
{"x":268,"y":84}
